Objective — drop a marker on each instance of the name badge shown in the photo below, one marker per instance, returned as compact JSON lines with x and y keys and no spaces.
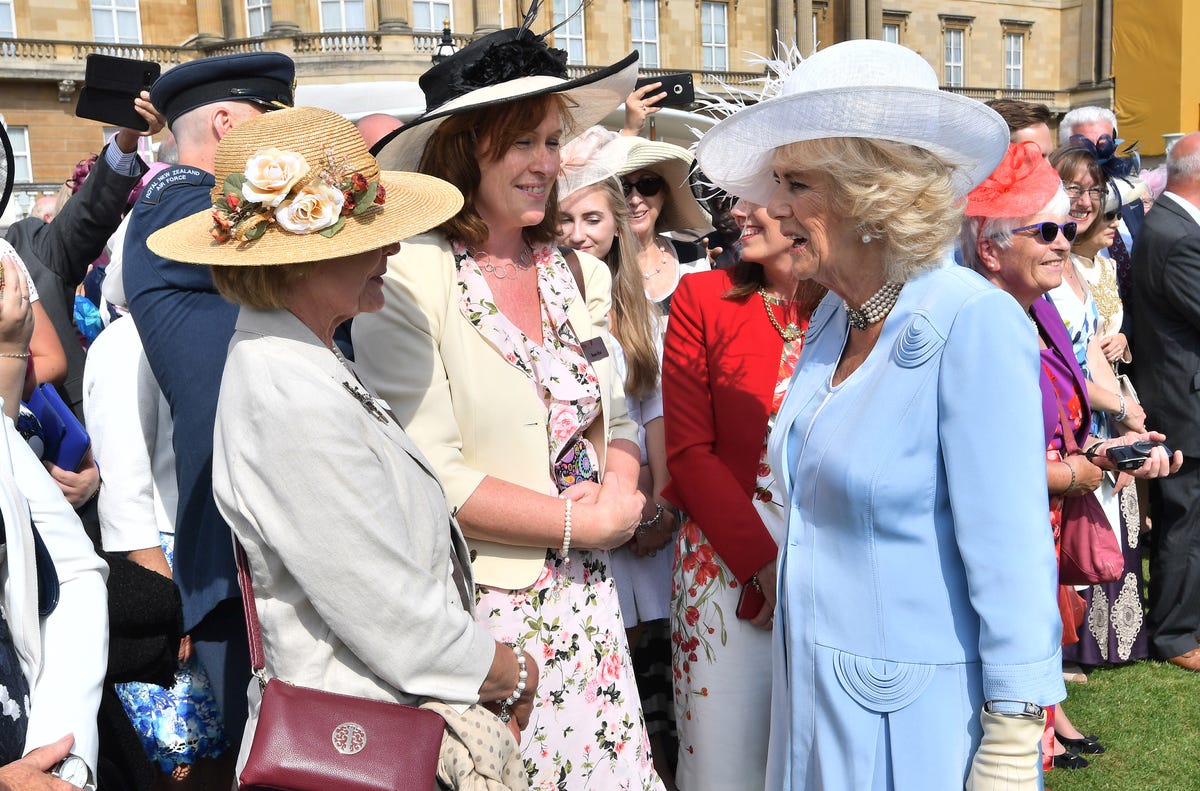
{"x":594,"y":349}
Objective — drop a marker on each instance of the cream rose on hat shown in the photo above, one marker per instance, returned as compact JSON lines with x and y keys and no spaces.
{"x":271,"y":174}
{"x":314,"y":208}
{"x":335,"y":199}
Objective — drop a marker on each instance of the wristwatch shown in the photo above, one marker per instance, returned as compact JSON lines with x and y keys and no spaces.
{"x":1014,"y":708}
{"x":75,"y":771}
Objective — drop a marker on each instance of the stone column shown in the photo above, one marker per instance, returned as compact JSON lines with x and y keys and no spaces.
{"x":857,"y":16}
{"x":283,"y":17}
{"x":487,"y":16}
{"x":1104,"y":55}
{"x":803,"y":15}
{"x":393,"y":16}
{"x":875,"y":19}
{"x":210,"y":27}
{"x":783,"y":18}
{"x":1088,"y":42}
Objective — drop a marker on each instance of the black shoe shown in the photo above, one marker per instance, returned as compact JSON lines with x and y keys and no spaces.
{"x":1070,"y":760}
{"x":1088,"y":745}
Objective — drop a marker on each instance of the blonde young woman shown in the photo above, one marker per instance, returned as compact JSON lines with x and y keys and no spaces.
{"x":594,"y":218}
{"x":492,"y":358}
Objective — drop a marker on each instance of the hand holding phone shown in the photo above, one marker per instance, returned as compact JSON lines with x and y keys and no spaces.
{"x":679,"y":89}
{"x":110,"y":86}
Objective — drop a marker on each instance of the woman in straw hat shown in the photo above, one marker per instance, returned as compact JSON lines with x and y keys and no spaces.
{"x":488,"y":350}
{"x":916,"y":634}
{"x":315,"y":476}
{"x":655,"y":178}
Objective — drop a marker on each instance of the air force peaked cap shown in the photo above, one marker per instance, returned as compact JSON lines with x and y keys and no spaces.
{"x":266,"y":78}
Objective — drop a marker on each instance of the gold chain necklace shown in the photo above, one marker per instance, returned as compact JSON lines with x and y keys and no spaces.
{"x":790,"y":333}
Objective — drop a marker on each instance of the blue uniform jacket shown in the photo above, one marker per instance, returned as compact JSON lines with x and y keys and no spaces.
{"x":186,"y":327}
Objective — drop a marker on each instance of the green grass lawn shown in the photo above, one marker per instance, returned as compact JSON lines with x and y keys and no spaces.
{"x":1147,"y":715}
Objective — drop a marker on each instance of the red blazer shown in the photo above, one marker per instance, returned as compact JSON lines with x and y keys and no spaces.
{"x":720,"y":363}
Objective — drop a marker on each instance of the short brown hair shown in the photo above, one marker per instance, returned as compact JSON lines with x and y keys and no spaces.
{"x":260,"y":287}
{"x":452,"y":154}
{"x":1020,"y":115}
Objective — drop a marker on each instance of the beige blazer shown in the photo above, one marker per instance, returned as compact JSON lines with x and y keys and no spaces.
{"x":471,"y":412}
{"x":346,"y":529}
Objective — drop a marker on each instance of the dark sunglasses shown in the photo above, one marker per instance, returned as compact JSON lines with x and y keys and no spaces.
{"x":647,"y":186}
{"x":1049,"y":230}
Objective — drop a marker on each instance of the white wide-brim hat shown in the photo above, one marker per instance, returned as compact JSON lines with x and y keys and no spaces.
{"x":681,"y":211}
{"x":863,"y":88}
{"x":469,"y":80}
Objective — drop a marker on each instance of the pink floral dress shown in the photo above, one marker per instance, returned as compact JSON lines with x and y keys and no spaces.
{"x":722,"y":665}
{"x":587,"y":729}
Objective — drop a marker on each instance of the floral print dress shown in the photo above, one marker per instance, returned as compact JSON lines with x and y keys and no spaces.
{"x":179,"y":725}
{"x":721,"y":664}
{"x":14,"y":693}
{"x":587,"y":730}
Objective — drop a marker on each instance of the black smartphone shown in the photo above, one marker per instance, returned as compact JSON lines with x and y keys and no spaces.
{"x":1134,"y":455}
{"x":110,"y":85}
{"x":679,"y":88}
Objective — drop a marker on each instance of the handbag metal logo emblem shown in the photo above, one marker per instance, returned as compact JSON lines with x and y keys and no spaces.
{"x":349,"y":738}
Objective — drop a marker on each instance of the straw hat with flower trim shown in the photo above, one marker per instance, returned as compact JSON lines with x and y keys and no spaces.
{"x":681,"y":211}
{"x":868,"y":89}
{"x":502,"y":67}
{"x":299,"y":185}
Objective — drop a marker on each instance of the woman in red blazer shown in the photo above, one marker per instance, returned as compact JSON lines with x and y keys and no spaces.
{"x":732,"y":343}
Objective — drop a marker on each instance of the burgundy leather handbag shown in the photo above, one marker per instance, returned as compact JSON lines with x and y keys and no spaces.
{"x":1088,"y":550}
{"x":312,"y":740}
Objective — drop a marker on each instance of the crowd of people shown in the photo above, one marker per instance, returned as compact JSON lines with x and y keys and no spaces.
{"x":493,"y":416}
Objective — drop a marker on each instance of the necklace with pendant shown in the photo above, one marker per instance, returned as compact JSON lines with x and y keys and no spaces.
{"x":791,"y":332}
{"x":662,"y":262}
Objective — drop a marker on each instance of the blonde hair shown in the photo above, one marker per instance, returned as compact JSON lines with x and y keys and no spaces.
{"x":633,"y":321}
{"x":902,"y":195}
{"x":260,"y":287}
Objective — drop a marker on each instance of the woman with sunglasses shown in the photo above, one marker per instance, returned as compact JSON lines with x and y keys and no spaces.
{"x":1017,"y":233}
{"x":655,"y":180}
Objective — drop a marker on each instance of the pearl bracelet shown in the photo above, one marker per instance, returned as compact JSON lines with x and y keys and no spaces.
{"x":19,"y":355}
{"x":522,"y":677}
{"x":566,"y":545}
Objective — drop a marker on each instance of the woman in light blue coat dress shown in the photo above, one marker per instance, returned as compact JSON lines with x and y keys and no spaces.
{"x":916,"y":635}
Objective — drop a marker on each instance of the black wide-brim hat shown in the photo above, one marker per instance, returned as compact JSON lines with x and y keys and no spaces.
{"x":503,"y":67}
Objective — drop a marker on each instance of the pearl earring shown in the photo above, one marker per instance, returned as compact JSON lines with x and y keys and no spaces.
{"x":866,"y":238}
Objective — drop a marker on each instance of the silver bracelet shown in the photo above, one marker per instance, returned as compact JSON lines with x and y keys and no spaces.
{"x":1120,"y":415}
{"x":653,"y":521}
{"x":566,"y":545}
{"x":522,"y":677}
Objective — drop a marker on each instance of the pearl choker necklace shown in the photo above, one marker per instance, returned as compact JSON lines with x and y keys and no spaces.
{"x":875,"y":308}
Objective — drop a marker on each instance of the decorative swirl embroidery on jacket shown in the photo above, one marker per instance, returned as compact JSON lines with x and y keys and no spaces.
{"x":918,"y":342}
